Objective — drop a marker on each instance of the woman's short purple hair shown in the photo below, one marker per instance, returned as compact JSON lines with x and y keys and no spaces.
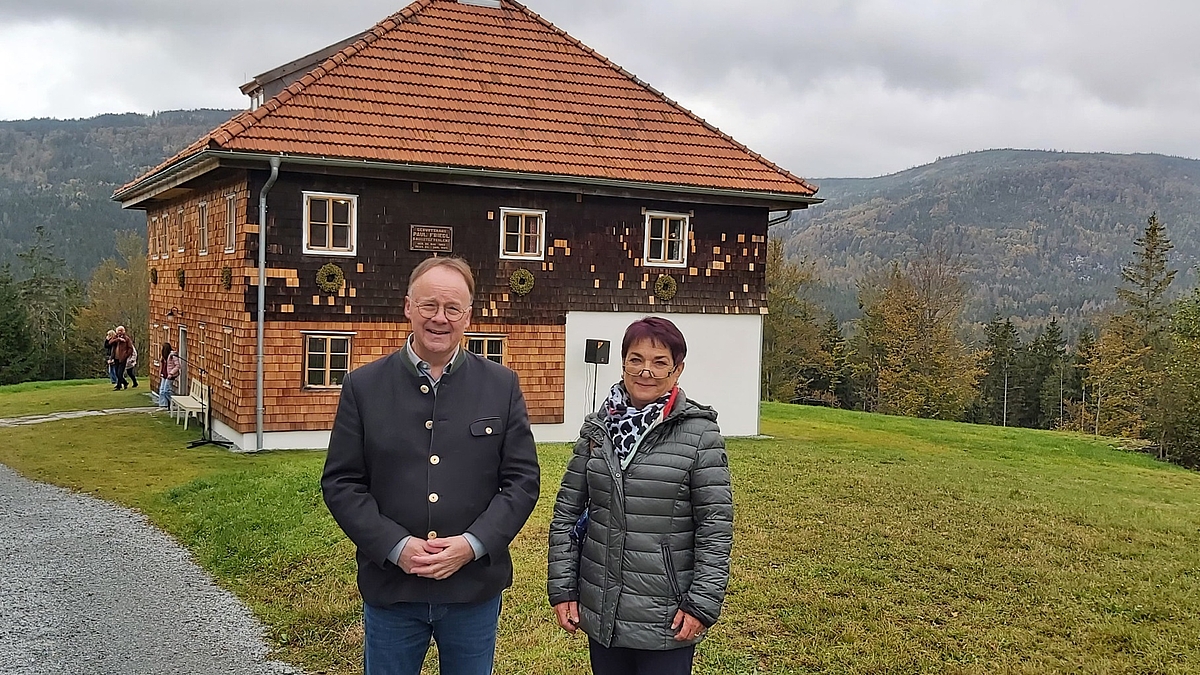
{"x":657,"y":330}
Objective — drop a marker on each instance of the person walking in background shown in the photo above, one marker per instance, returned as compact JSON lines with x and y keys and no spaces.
{"x":431,"y":472}
{"x":132,"y":362}
{"x":168,"y":370}
{"x":109,"y":363}
{"x":122,"y":350}
{"x":642,"y":530}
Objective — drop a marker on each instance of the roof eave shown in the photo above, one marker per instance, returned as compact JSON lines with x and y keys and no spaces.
{"x":195,"y":165}
{"x":170,"y":176}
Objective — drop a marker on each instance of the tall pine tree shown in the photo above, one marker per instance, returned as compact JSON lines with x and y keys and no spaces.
{"x":1146,"y":282}
{"x":17,"y":360}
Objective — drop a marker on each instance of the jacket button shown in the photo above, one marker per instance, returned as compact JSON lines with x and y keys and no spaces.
{"x":434,"y":459}
{"x":428,"y":424}
{"x":424,"y":389}
{"x":487,"y":430}
{"x":432,"y":534}
{"x":433,"y":497}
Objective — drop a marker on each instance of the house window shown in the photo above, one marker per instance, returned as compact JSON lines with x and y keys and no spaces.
{"x":329,"y":223}
{"x":202,"y":221}
{"x":522,"y":234}
{"x":179,"y":229}
{"x":164,"y":224}
{"x":230,"y":228}
{"x":490,"y":347}
{"x":227,"y":357}
{"x":326,"y":359}
{"x":152,"y":237}
{"x":201,"y":345}
{"x":666,"y":239}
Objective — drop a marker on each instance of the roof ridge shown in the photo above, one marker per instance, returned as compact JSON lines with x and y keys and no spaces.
{"x":575,"y":41}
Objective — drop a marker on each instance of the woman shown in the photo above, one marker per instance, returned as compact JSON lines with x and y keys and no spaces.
{"x":131,"y":363}
{"x":110,"y":342}
{"x":643,"y":526}
{"x":168,"y":370}
{"x":122,"y":350}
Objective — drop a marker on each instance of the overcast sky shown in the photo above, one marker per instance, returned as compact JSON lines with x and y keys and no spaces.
{"x":823,"y":87}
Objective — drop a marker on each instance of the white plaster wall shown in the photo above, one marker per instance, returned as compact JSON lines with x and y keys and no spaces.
{"x":273,"y":440}
{"x":724,"y":362}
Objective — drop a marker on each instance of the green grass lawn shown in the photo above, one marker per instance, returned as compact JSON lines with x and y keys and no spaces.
{"x":40,"y":398}
{"x":864,"y":544}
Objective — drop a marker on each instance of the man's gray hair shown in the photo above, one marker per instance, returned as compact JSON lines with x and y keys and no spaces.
{"x":457,"y":264}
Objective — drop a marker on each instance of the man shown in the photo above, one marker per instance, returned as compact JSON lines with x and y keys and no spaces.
{"x":431,"y":472}
{"x":122,"y":350}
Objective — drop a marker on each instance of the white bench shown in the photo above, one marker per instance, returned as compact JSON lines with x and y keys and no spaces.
{"x":195,"y":403}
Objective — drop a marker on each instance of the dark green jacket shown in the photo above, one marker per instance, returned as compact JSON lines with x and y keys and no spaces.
{"x":659,"y":537}
{"x":380,"y":474}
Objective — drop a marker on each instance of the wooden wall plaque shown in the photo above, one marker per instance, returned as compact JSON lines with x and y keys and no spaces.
{"x":431,"y":238}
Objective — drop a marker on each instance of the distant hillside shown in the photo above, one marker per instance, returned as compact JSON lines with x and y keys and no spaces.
{"x":1041,"y":233}
{"x":61,"y":174}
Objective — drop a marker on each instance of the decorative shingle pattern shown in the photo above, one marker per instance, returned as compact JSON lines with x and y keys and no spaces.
{"x":447,"y":84}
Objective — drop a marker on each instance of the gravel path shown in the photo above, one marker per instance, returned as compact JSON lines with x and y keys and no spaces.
{"x":89,"y":587}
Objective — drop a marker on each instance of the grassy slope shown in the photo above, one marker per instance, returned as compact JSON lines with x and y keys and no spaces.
{"x":40,"y":398}
{"x":864,"y":544}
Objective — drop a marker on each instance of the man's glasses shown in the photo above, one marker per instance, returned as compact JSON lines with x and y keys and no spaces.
{"x":453,"y":312}
{"x":636,"y":367}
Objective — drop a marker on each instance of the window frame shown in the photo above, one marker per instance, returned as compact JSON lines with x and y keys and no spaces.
{"x":486,"y":338}
{"x":227,"y":356}
{"x":327,"y":336}
{"x":308,"y":248}
{"x":152,"y":238}
{"x":230,"y":223}
{"x":164,"y":236}
{"x":506,"y":211}
{"x":202,"y":227}
{"x":179,"y":229}
{"x":683,"y":246}
{"x":201,"y":331}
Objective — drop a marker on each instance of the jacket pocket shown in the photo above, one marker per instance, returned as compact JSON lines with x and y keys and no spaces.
{"x":669,"y":565}
{"x":488,"y":426}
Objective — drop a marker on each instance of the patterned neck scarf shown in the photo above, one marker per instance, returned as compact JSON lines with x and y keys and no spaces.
{"x":627,"y":425}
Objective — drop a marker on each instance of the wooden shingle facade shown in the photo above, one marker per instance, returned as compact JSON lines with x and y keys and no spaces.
{"x":660,"y":214}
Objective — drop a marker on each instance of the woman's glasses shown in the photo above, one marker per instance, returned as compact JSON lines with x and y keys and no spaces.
{"x":636,"y":367}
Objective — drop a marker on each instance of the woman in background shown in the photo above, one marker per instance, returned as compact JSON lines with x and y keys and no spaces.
{"x":131,"y":362}
{"x":109,"y":364}
{"x":168,"y":370}
{"x":643,"y":526}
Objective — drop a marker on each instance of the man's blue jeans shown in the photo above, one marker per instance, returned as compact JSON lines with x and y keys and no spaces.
{"x":397,"y":637}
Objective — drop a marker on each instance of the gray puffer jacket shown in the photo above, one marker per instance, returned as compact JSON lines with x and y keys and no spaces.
{"x":659,"y":537}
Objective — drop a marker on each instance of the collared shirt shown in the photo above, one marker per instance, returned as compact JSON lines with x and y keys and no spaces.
{"x":425,"y":369}
{"x":423,"y":366}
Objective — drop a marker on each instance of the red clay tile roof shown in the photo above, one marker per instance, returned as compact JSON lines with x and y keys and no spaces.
{"x":448,"y":84}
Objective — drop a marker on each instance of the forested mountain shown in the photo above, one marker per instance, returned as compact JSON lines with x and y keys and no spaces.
{"x":62,"y":173}
{"x":1040,"y":234}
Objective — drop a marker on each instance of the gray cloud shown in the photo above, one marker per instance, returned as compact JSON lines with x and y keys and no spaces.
{"x":834,"y":87}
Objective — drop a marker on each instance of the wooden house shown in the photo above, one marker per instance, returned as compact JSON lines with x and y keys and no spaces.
{"x":582,"y":197}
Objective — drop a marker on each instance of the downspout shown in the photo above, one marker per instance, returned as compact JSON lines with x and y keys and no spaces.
{"x":262,"y":300}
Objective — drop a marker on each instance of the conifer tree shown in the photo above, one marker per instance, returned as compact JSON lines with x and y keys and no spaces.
{"x":1146,"y":282}
{"x":1181,"y":396}
{"x":16,"y":348}
{"x":998,"y":362}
